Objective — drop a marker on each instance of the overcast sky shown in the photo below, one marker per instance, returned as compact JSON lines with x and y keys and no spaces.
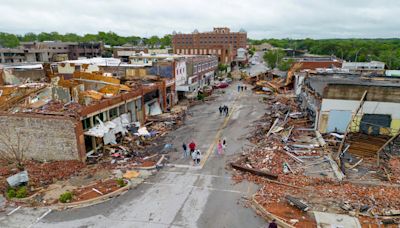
{"x":260,"y":18}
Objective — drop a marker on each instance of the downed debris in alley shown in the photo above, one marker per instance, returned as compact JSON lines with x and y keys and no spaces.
{"x":308,"y":176}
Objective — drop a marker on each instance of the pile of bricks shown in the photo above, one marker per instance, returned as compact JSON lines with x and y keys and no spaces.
{"x":324,"y":193}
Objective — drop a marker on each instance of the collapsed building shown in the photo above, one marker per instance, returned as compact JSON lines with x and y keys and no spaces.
{"x":365,"y":107}
{"x":58,"y":119}
{"x":75,"y":108}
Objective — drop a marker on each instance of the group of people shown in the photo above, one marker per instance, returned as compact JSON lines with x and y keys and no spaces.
{"x":192,"y":151}
{"x":241,"y":87}
{"x":223,"y":110}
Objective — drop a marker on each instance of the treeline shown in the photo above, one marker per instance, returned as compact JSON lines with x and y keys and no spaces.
{"x":385,"y":50}
{"x":110,"y":38}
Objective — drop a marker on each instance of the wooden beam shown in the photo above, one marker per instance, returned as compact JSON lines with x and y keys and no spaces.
{"x":386,"y":143}
{"x":269,"y":216}
{"x":362,"y":100}
{"x":255,"y":171}
{"x":273,"y":126}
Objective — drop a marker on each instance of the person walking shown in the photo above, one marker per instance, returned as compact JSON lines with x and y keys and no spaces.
{"x":220,"y":110}
{"x":238,"y":88}
{"x":226,"y":110}
{"x":245,"y":87}
{"x":224,"y":145}
{"x":220,"y":148}
{"x":196,"y":156}
{"x":272,"y":224}
{"x":185,"y":150}
{"x":242,"y":87}
{"x":192,"y":146}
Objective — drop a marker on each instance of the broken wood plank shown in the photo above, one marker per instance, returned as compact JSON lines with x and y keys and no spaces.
{"x":387,"y":174}
{"x":273,"y":126}
{"x":357,"y":163}
{"x":294,"y":157}
{"x":268,"y":215}
{"x":360,"y":105}
{"x":339,"y":175}
{"x":286,"y":138}
{"x":255,"y":171}
{"x":386,"y":143}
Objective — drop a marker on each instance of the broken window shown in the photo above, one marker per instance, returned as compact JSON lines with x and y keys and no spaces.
{"x":100,"y":116}
{"x":88,"y":143}
{"x":113,"y":113}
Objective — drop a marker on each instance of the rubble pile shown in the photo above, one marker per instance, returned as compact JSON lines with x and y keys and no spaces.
{"x":301,"y":159}
{"x":43,"y":174}
{"x":394,"y":166}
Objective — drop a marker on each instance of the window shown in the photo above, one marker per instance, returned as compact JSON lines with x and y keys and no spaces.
{"x":86,"y":123}
{"x":113,"y":113}
{"x":100,"y":116}
{"x":139,"y":104}
{"x":88,"y":143}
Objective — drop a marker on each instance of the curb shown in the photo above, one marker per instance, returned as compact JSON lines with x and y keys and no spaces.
{"x":267,"y":215}
{"x":94,"y":201}
{"x":91,"y":202}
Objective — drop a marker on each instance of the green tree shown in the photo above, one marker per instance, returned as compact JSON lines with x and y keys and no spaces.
{"x":285,"y":64}
{"x":8,"y":40}
{"x":273,"y":57}
{"x":152,"y":41}
{"x":29,"y":37}
{"x":222,"y":67}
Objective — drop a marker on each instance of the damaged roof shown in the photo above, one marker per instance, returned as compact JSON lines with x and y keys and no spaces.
{"x":319,"y":82}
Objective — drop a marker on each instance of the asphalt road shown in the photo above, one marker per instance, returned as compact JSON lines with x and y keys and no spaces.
{"x":183,"y":196}
{"x":259,"y":67}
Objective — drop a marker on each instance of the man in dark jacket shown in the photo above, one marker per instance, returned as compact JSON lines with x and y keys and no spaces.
{"x":273,"y":224}
{"x":185,"y":150}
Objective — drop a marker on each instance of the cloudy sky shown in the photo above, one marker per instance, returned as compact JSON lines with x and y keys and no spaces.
{"x":260,"y":18}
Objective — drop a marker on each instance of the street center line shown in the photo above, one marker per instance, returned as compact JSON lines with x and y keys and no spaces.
{"x":218,"y":135}
{"x":196,"y":174}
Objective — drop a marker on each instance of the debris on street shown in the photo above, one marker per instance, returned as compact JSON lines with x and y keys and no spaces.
{"x":308,"y":174}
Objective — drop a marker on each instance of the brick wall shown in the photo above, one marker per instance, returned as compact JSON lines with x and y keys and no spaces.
{"x":48,"y":138}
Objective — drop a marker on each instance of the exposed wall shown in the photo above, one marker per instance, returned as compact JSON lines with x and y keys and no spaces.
{"x":369,"y":107}
{"x":14,"y":77}
{"x":180,"y":72}
{"x":48,"y":138}
{"x":355,"y":92}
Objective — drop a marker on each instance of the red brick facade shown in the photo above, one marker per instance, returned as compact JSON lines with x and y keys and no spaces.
{"x":220,"y":42}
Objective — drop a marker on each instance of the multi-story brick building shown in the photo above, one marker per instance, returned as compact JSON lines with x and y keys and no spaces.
{"x":221,"y":42}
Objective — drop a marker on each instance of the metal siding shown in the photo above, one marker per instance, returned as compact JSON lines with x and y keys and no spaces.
{"x":338,"y":121}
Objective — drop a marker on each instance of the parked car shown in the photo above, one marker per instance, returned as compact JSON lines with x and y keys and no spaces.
{"x":221,"y":85}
